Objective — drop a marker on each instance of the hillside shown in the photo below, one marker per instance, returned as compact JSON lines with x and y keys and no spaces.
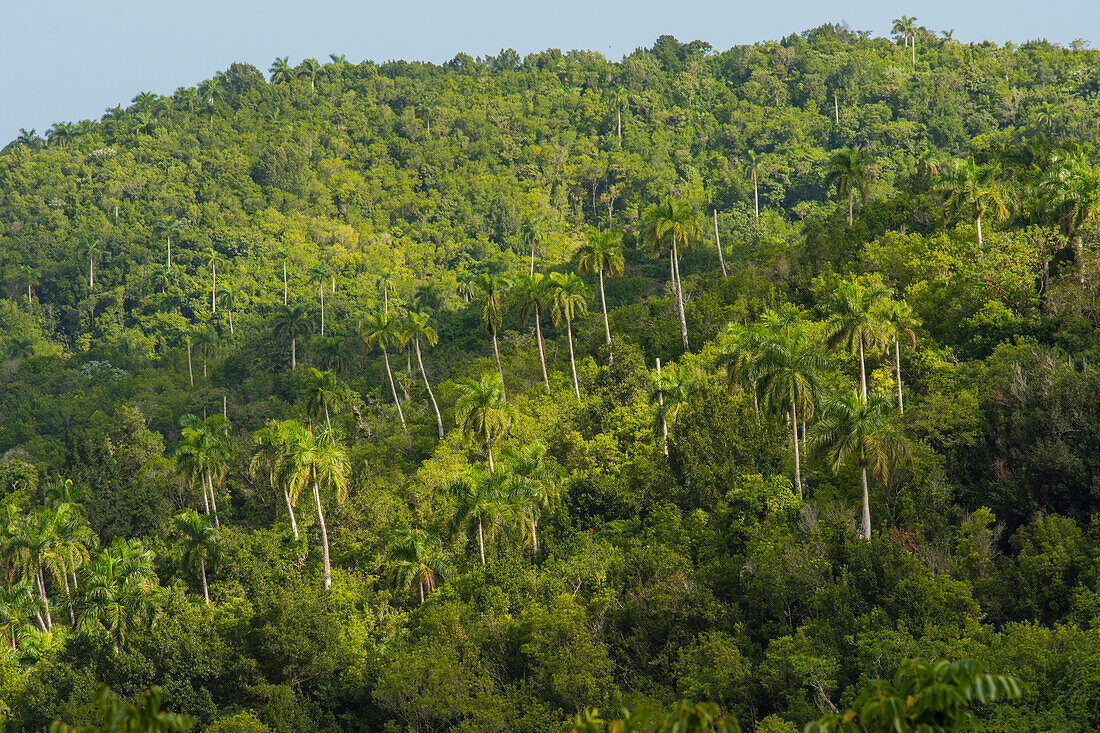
{"x":476,"y":396}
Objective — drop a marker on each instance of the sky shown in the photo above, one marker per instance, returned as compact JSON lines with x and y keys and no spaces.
{"x":72,"y":59}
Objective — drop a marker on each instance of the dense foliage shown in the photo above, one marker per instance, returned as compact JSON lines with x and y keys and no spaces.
{"x":491,"y":395}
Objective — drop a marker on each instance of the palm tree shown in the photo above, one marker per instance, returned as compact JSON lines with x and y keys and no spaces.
{"x":533,"y":485}
{"x":205,"y":340}
{"x":481,"y":412}
{"x":974,"y":189}
{"x":16,"y":606}
{"x":530,"y":235}
{"x":29,"y":278}
{"x":738,"y":354}
{"x":569,"y":298}
{"x":319,"y":275}
{"x":417,"y":557}
{"x":754,"y":176}
{"x":228,"y":297}
{"x":118,"y":587}
{"x":854,"y":321}
{"x":379,"y":329}
{"x":308,"y":70}
{"x":847,"y":170}
{"x":899,"y":318}
{"x":857,"y":430}
{"x":268,"y":453}
{"x":90,"y":246}
{"x":670,"y":389}
{"x":492,"y":286}
{"x":1070,"y":192}
{"x":200,"y":542}
{"x":315,"y":461}
{"x":291,"y":323}
{"x":529,"y":294}
{"x":788,"y":369}
{"x":203,"y":454}
{"x":322,"y":394}
{"x":906,"y":28}
{"x":386,"y":286}
{"x":672,"y":224}
{"x":482,"y":503}
{"x":417,"y":328}
{"x":281,"y":71}
{"x":467,"y":287}
{"x":601,"y":252}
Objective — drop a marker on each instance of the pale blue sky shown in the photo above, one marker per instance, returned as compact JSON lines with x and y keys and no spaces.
{"x":70,"y":59}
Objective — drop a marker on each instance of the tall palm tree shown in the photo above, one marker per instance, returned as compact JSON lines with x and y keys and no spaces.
{"x":533,"y":485}
{"x":569,"y":298}
{"x":205,"y":341}
{"x":739,"y":354}
{"x":670,"y":389}
{"x":268,"y":453}
{"x":492,"y":286}
{"x":481,"y":412}
{"x":316,"y":461}
{"x":906,"y":29}
{"x":417,"y":328}
{"x":319,"y":275}
{"x":899,"y":319}
{"x":1070,"y":193}
{"x":91,"y":247}
{"x":333,"y":353}
{"x":308,"y":70}
{"x":857,"y":430}
{"x":855,"y":321}
{"x":788,"y":378}
{"x":379,"y":328}
{"x":481,"y":503}
{"x":16,"y":607}
{"x":530,"y":235}
{"x":601,"y":252}
{"x":847,"y":170}
{"x":754,"y":176}
{"x":281,"y":72}
{"x":199,"y":543}
{"x":291,"y":323}
{"x":212,"y":257}
{"x":386,"y":286}
{"x":973,"y":189}
{"x":416,"y":557}
{"x":529,"y":295}
{"x":323,"y":393}
{"x":671,"y":226}
{"x":228,"y":297}
{"x":203,"y":454}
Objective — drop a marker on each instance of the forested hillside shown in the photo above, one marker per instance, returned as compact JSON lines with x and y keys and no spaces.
{"x":484,"y":396}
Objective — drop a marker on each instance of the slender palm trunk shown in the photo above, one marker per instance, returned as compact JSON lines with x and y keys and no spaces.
{"x":231,"y":331}
{"x":214,"y":289}
{"x":836,"y":109}
{"x":190,"y":372}
{"x":862,"y":372}
{"x":532,"y":272}
{"x":293,"y":353}
{"x":481,"y":540}
{"x":755,"y":195}
{"x":718,"y":244}
{"x":797,"y":460}
{"x":324,"y":533}
{"x":169,"y":254}
{"x":205,"y":588}
{"x":865,"y":522}
{"x":500,"y":371}
{"x":41,"y":621}
{"x":489,"y":450}
{"x":213,"y":499}
{"x":619,"y":125}
{"x":91,"y":272}
{"x":897,"y":375}
{"x":679,"y":293}
{"x":204,"y":363}
{"x":572,"y":359}
{"x":69,"y":595}
{"x":284,"y":282}
{"x":322,"y":289}
{"x":661,"y":409}
{"x":606,"y":324}
{"x":205,"y":498}
{"x":421,"y":592}
{"x":290,"y":508}
{"x":978,"y":226}
{"x":45,"y":600}
{"x":427,"y":384}
{"x":393,"y":388}
{"x":534,"y":541}
{"x":851,"y":197}
{"x":542,"y":351}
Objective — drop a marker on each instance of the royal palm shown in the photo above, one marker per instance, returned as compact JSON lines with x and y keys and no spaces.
{"x":602,"y":253}
{"x":671,"y":226}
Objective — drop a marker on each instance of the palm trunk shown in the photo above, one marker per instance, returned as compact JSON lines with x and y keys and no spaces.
{"x":679,"y":294}
{"x":293,"y":353}
{"x":290,"y":508}
{"x":213,"y":499}
{"x":718,"y":244}
{"x":489,"y":450}
{"x":862,"y":372}
{"x":322,"y":289}
{"x":190,"y":372}
{"x":214,"y":289}
{"x":836,"y":109}
{"x":421,"y":592}
{"x":532,"y":272}
{"x":851,"y":196}
{"x":169,"y":254}
{"x":431,"y":395}
{"x":393,"y":388}
{"x":284,"y":282}
{"x":204,"y":363}
{"x":661,"y":408}
{"x":205,"y":498}
{"x":572,"y":360}
{"x":978,"y":226}
{"x":324,"y":533}
{"x":496,"y":355}
{"x":755,"y":196}
{"x":231,"y":331}
{"x":205,"y":588}
{"x":542,"y":351}
{"x":606,"y":324}
{"x":45,"y":600}
{"x":481,"y":539}
{"x":797,"y":461}
{"x":91,"y":273}
{"x":619,"y":114}
{"x":866,"y":510}
{"x":534,"y":541}
{"x":897,"y":375}
{"x":69,"y":595}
